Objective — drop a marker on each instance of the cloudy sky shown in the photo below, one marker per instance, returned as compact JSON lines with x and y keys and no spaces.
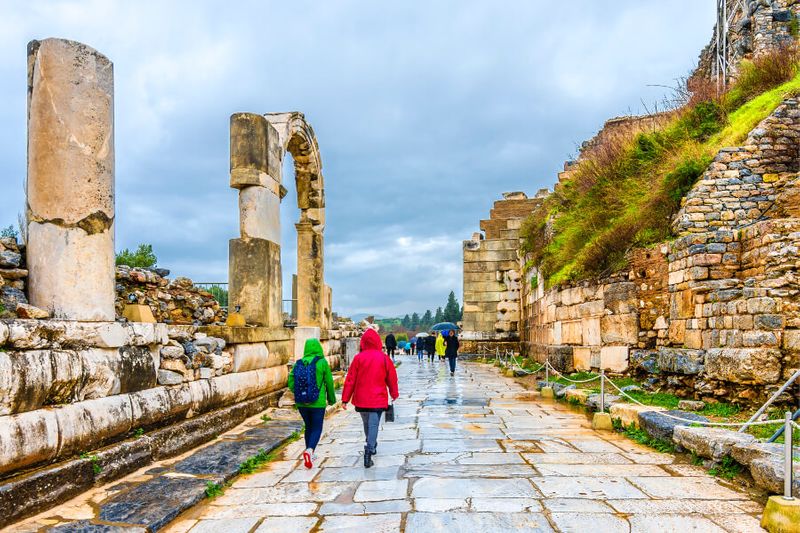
{"x":425,"y":113}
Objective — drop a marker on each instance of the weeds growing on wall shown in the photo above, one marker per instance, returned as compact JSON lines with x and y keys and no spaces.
{"x":626,"y":189}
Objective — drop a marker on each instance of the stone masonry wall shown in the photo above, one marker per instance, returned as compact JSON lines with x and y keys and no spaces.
{"x":714,"y":313}
{"x":492,"y":277}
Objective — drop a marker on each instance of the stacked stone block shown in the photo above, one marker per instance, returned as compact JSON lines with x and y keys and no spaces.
{"x":492,"y":276}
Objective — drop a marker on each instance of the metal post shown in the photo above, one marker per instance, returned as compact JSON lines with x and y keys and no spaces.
{"x":602,"y":391}
{"x":547,"y":371}
{"x":787,"y":465}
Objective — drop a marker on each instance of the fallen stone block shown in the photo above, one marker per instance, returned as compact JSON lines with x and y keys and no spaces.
{"x":577,"y":396}
{"x":628,"y":413}
{"x":593,"y":401}
{"x":32,"y":312}
{"x":691,"y":405}
{"x":709,"y":442}
{"x":768,"y":474}
{"x":746,"y":453}
{"x":661,"y":427}
{"x":561,"y":393}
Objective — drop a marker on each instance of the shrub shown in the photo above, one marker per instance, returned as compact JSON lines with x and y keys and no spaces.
{"x":704,"y":120}
{"x":764,"y":72}
{"x":143,"y":257}
{"x":9,"y":233}
{"x":678,"y":182}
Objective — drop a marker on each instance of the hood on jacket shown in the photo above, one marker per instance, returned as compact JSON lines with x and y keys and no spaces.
{"x":312,"y":348}
{"x":371,"y":341}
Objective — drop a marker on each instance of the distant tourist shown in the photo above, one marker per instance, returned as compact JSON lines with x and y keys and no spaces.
{"x":391,"y":345}
{"x":430,"y":346}
{"x":440,"y":345}
{"x":451,"y":351}
{"x":370,"y":375}
{"x":311,"y":382}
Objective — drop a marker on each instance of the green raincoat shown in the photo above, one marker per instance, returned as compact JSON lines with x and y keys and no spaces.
{"x":324,"y":376}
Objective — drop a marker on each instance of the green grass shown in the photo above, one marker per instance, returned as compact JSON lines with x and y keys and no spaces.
{"x":696,"y":459}
{"x":96,"y":467}
{"x":641,"y":436}
{"x":660,"y":399}
{"x":728,"y":469}
{"x":577,"y":376}
{"x":720,"y":409}
{"x":214,"y":489}
{"x":251,"y":464}
{"x":265,"y":418}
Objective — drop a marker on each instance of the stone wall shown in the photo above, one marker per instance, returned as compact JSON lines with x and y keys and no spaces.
{"x":13,"y":273}
{"x":714,"y":314}
{"x":492,"y":277}
{"x":755,"y":26}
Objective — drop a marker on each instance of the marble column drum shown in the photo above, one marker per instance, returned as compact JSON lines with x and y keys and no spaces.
{"x":70,"y":185}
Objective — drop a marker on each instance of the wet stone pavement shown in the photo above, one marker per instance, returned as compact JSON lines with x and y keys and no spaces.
{"x":475,"y":452}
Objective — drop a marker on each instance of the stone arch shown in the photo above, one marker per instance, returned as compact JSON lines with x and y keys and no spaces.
{"x":296,"y":136}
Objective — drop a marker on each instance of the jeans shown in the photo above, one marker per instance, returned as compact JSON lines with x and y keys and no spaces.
{"x":372,"y":421}
{"x":313,"y":418}
{"x":452,"y":360}
{"x":419,"y":355}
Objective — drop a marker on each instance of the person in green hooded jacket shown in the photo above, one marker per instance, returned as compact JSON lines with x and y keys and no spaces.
{"x":313,"y":412}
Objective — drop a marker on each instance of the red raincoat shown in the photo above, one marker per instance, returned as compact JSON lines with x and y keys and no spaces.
{"x":369,"y":375}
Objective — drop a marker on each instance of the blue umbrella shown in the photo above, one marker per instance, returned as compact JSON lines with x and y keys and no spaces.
{"x":444,"y":326}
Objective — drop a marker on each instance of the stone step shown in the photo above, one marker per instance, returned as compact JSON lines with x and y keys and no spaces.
{"x":151,"y":505}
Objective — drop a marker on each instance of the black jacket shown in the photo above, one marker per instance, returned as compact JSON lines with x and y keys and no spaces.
{"x":391,"y":342}
{"x":430,"y":344}
{"x":451,"y":346}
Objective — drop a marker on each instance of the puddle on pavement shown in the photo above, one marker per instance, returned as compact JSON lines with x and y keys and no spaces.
{"x":471,"y":402}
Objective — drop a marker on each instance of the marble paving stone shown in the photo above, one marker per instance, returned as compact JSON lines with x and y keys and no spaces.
{"x":358,"y":474}
{"x":577,"y":505}
{"x":593,"y":445}
{"x":650,"y":458}
{"x":737,"y":523}
{"x":588,"y":487}
{"x":258,"y":510}
{"x":471,"y":471}
{"x":230,"y":525}
{"x":285,"y":492}
{"x":505,"y":505}
{"x":685,"y":506}
{"x":601,"y":470}
{"x":467,"y":488}
{"x":576,"y":458}
{"x":373,"y":491}
{"x":376,"y":523}
{"x":581,"y":522}
{"x":488,"y":458}
{"x":440,"y":505}
{"x":474,"y":522}
{"x":456,"y":445}
{"x":684,"y":487}
{"x":686,"y":470}
{"x":287,"y":524}
{"x":650,"y":523}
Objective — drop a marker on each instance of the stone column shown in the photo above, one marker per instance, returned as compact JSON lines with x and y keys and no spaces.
{"x":310,"y":276}
{"x":70,"y":185}
{"x":255,"y":259}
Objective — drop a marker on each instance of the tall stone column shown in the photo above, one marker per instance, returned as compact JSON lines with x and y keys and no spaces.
{"x":70,"y":185}
{"x":310,"y":276}
{"x":255,"y":259}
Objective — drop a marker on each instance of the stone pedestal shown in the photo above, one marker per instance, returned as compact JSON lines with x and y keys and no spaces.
{"x":602,"y":422}
{"x":254,"y":275}
{"x":301,"y":335}
{"x":781,"y":515}
{"x":70,"y":186}
{"x":310,"y":275}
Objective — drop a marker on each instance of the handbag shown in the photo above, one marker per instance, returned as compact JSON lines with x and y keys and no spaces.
{"x":389,"y":415}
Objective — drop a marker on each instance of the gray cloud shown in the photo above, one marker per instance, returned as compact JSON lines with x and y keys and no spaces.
{"x":425,"y":113}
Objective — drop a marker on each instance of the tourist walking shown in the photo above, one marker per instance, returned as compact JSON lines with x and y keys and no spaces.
{"x":451,"y":350}
{"x":430,"y":346}
{"x":440,"y":345}
{"x":391,"y":345}
{"x":370,"y":375}
{"x":311,"y":382}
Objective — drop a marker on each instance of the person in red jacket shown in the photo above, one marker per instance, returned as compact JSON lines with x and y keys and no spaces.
{"x":370,"y":375}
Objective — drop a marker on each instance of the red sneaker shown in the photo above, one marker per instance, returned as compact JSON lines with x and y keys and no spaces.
{"x":307,"y":459}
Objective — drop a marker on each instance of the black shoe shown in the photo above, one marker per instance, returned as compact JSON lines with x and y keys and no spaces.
{"x":452,"y":373}
{"x":368,"y":459}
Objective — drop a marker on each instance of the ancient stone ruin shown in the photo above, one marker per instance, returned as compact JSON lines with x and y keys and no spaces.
{"x":87,"y":396}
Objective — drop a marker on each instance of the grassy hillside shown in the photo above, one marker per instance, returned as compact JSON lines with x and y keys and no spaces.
{"x":627,"y":189}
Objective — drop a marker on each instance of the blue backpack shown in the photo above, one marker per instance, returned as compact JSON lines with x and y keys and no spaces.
{"x":305,"y":381}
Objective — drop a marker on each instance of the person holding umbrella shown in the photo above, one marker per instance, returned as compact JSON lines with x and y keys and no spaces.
{"x":451,"y":350}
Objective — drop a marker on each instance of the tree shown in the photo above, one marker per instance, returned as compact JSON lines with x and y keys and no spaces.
{"x":406,"y":322}
{"x":143,"y":257}
{"x":414,"y":321}
{"x":427,"y":319}
{"x":452,"y":311}
{"x":439,"y":316}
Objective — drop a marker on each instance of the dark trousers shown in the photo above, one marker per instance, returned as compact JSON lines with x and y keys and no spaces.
{"x":452,"y":360}
{"x":371,"y":421}
{"x":313,"y":418}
